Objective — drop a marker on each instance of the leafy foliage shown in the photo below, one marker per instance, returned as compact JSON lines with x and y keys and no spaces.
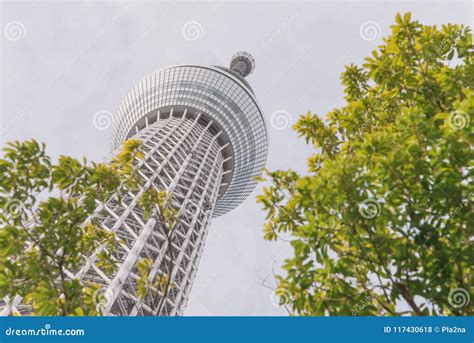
{"x":159,"y":203}
{"x":382,"y":224}
{"x":45,"y":226}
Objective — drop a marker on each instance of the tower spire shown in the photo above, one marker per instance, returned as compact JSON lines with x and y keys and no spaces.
{"x":242,"y":63}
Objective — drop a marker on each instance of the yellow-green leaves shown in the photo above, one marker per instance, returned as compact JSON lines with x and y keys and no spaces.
{"x":67,"y":172}
{"x":44,"y":208}
{"x":161,"y":282}
{"x":125,"y":162}
{"x":144,"y":266}
{"x":384,"y":217}
{"x":160,"y":202}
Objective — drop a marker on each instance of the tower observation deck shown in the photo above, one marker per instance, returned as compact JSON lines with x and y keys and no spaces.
{"x":205,"y":140}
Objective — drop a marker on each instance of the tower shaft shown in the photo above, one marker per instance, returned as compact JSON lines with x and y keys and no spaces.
{"x":182,"y":156}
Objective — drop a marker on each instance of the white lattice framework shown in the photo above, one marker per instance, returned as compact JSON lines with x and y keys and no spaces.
{"x":182,"y":155}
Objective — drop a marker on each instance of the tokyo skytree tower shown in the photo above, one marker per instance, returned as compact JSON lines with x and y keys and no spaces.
{"x":205,"y":140}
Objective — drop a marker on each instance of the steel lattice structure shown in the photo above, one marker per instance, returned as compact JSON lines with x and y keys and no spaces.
{"x":205,"y":141}
{"x":183,"y":156}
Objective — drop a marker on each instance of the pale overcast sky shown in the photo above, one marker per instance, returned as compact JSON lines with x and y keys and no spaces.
{"x":62,"y":62}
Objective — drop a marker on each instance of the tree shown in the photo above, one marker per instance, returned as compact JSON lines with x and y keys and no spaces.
{"x":162,"y":204}
{"x":46,"y":227}
{"x":382,"y":223}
